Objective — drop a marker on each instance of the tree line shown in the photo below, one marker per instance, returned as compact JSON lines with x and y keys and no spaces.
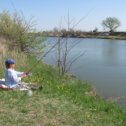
{"x":110,"y":26}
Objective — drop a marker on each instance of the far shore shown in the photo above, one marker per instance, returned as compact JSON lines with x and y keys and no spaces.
{"x":106,"y":37}
{"x":96,"y":35}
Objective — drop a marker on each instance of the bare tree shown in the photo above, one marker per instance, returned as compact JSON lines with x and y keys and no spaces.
{"x":64,"y":49}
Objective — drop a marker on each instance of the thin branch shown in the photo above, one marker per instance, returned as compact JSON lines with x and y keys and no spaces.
{"x":74,"y":60}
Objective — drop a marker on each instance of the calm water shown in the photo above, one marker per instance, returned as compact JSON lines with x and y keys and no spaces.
{"x":103,"y":65}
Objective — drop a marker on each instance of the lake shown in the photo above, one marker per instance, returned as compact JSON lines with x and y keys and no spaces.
{"x":103,"y":65}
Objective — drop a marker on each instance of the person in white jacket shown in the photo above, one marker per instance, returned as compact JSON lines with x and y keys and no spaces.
{"x":13,"y":77}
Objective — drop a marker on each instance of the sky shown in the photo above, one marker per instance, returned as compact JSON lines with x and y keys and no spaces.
{"x":53,"y":13}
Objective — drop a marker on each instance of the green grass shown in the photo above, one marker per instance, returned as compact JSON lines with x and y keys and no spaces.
{"x":64,"y":101}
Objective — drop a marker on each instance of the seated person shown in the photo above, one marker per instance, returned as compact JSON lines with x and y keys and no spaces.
{"x":13,"y":77}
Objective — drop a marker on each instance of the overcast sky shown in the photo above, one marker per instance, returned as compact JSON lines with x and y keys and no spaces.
{"x":49,"y":13}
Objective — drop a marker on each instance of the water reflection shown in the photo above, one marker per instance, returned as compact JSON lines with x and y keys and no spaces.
{"x":109,"y":52}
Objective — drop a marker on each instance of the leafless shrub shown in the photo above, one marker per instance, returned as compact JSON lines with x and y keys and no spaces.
{"x":64,"y":49}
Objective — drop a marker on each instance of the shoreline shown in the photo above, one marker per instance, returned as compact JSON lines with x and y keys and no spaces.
{"x":96,"y":37}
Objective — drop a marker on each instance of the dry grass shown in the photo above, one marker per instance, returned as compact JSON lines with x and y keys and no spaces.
{"x":3,"y":46}
{"x":5,"y":53}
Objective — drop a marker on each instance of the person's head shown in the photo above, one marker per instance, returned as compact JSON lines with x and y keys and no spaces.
{"x":10,"y":63}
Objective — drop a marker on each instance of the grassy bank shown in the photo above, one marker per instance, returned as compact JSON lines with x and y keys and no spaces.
{"x":64,"y":101}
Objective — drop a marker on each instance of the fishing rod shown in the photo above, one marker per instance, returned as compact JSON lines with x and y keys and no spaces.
{"x":38,"y":61}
